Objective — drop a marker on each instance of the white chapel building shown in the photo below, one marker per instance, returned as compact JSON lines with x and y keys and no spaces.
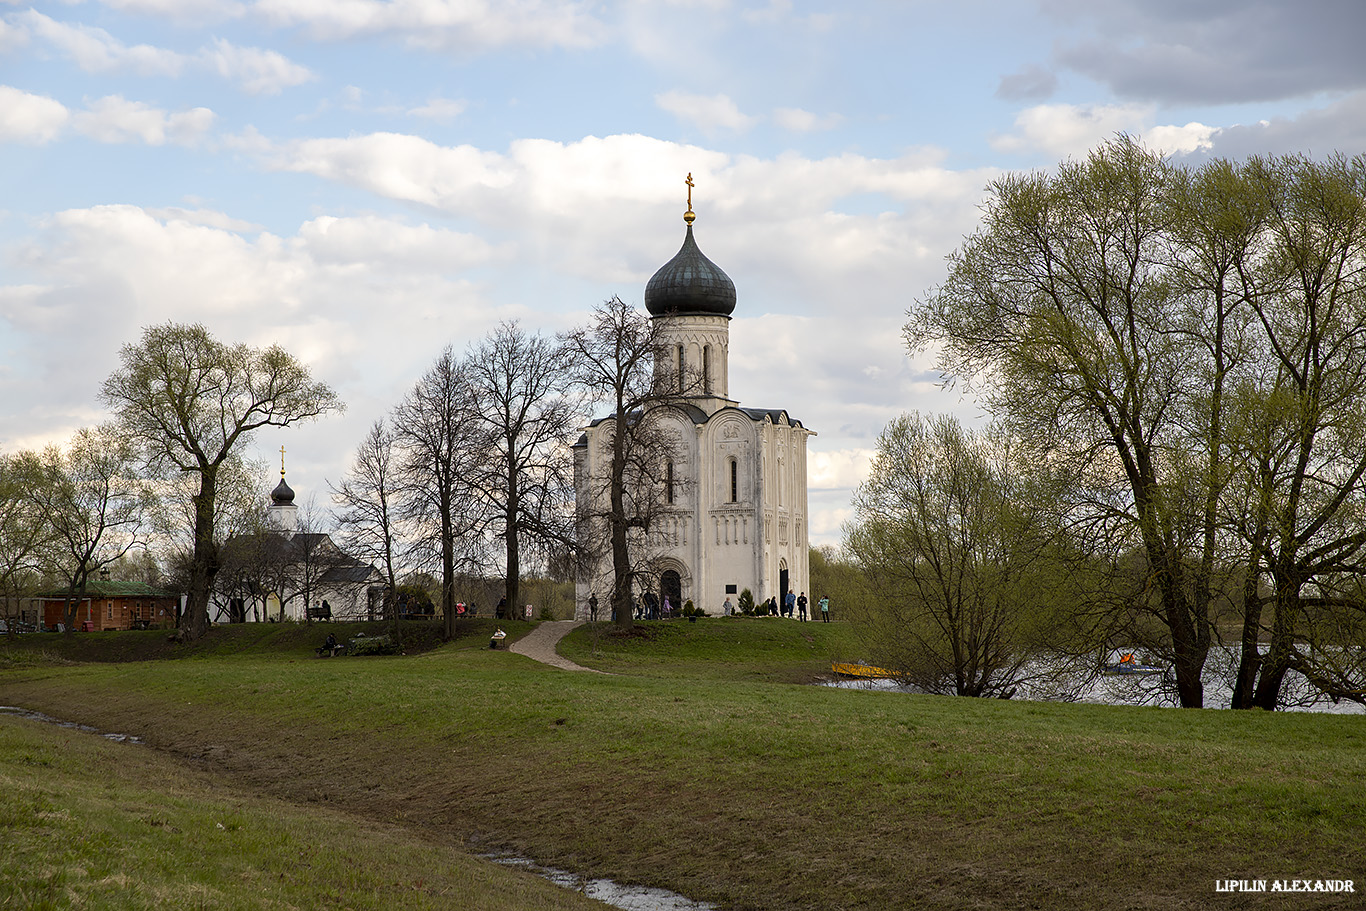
{"x":737,"y":517}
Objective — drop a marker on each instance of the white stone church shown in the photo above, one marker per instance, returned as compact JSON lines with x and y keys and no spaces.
{"x":735,"y":511}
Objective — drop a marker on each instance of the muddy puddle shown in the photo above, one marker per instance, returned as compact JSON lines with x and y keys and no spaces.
{"x":629,"y":898}
{"x":70,"y":725}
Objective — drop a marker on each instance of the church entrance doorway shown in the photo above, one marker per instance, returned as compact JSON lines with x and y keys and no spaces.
{"x":671,"y":591}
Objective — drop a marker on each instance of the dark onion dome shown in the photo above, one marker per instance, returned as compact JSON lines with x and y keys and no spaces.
{"x":690,"y":283}
{"x":282,"y":495}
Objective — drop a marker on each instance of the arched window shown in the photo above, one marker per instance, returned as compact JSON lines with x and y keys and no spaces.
{"x":682,"y":371}
{"x":734,"y":481}
{"x":669,"y":482}
{"x":706,"y":369}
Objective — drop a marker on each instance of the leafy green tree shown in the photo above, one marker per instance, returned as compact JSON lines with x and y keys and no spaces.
{"x":95,"y":503}
{"x":1188,"y":341}
{"x":1061,"y":309}
{"x":191,"y":401}
{"x":846,"y":582}
{"x":957,"y":545}
{"x":1303,"y":417}
{"x":24,"y":535}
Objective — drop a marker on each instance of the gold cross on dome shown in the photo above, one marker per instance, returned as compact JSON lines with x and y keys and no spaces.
{"x":688,"y":216}
{"x":282,"y":461}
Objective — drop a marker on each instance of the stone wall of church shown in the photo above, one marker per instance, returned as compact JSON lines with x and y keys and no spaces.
{"x":739,"y":515}
{"x":703,"y":344}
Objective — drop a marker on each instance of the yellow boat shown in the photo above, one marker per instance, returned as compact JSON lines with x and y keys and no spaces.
{"x":864,"y":671}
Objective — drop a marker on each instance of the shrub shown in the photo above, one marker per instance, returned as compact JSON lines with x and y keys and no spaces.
{"x":371,"y":645}
{"x":746,"y":603}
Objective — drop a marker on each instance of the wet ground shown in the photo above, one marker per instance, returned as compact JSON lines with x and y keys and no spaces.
{"x":628,"y":898}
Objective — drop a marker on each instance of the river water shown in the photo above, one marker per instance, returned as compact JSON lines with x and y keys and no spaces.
{"x":1058,"y":682}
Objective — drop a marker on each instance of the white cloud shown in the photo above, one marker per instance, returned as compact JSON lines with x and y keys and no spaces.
{"x":799,"y":121}
{"x":206,"y":217}
{"x":780,"y":216}
{"x":709,"y":113}
{"x":11,"y":37}
{"x":96,"y":51}
{"x":114,"y":119}
{"x":840,"y":469}
{"x":460,"y":26}
{"x":257,"y":71}
{"x":1066,"y":130}
{"x":440,"y":109}
{"x":1070,"y":130}
{"x":182,"y":10}
{"x":367,"y":302}
{"x":1193,"y":137}
{"x":29,"y":118}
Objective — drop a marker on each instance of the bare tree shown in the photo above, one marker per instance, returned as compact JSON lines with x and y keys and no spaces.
{"x":614,"y":358}
{"x":191,"y":400}
{"x":242,"y":518}
{"x":523,"y":417}
{"x":367,"y":507}
{"x":438,"y":448}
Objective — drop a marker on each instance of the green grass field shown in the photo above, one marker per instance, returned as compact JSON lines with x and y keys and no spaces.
{"x":701,"y":764}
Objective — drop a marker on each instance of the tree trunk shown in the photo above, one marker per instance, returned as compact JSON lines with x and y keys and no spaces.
{"x":204,"y":562}
{"x":513,"y":582}
{"x":621,"y":557}
{"x":1277,"y":660}
{"x":1249,"y":661}
{"x":447,"y":569}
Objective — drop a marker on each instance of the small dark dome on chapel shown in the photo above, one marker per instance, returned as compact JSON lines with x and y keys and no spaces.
{"x":282,"y":495}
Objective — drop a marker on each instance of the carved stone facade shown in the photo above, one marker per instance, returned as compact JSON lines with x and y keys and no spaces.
{"x":735,"y":514}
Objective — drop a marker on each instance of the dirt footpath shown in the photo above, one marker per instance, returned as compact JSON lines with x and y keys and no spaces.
{"x":539,"y":645}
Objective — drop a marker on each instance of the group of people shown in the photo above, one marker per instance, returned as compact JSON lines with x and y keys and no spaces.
{"x":793,"y":603}
{"x":647,"y":607}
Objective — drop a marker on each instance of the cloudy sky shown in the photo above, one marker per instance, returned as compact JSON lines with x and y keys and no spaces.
{"x":367,"y":181}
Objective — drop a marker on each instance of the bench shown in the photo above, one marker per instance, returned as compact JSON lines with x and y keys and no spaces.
{"x":320,"y":613}
{"x":323,"y":651}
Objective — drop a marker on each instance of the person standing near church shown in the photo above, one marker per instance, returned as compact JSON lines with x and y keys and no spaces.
{"x":593,"y":607}
{"x":789,"y":603}
{"x":825,"y":609}
{"x":801,"y":607}
{"x":727,"y":609}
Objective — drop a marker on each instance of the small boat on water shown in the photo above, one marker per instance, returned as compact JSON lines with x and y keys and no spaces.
{"x":859,"y":670}
{"x":1128,"y":665}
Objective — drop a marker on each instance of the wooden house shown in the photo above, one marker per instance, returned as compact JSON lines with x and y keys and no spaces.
{"x":113,"y":605}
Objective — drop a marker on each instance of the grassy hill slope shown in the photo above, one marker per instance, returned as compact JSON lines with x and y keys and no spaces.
{"x":697,"y":766}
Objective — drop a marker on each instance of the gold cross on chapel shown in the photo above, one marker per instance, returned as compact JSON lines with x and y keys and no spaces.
{"x":282,"y":461}
{"x":688,"y":216}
